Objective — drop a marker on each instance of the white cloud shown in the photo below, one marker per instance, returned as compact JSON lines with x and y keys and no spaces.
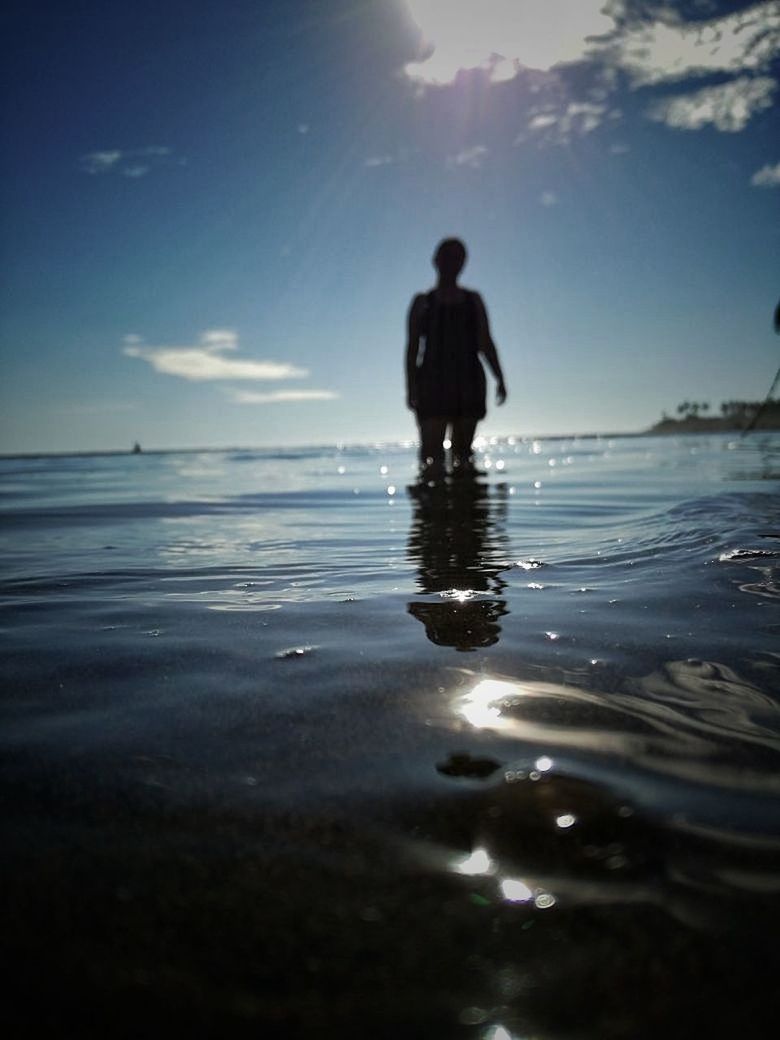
{"x":220,"y":339}
{"x":501,"y":37}
{"x":542,"y":121}
{"x":282,"y":396}
{"x":133,"y":162}
{"x":548,"y":198}
{"x":670,"y":49}
{"x":99,"y":162}
{"x":728,"y":106}
{"x":402,"y":155}
{"x":136,"y":171}
{"x":206,"y":362}
{"x":767,"y":177}
{"x":471,"y":157}
{"x":559,"y":125}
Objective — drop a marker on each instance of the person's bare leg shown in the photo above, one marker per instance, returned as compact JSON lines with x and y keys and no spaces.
{"x":462,"y":437}
{"x":432,"y":446}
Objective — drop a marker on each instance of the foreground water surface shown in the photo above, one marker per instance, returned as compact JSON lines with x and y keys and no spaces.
{"x":293,"y":744}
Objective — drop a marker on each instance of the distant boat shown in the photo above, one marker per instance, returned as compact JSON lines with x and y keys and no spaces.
{"x":136,"y":448}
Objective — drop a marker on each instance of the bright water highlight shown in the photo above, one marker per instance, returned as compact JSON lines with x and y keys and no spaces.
{"x":293,"y":742}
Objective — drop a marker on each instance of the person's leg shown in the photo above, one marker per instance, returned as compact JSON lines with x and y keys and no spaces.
{"x":462,"y":436}
{"x":432,"y":445}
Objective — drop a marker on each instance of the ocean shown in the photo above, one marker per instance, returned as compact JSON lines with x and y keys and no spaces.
{"x":295,"y":746}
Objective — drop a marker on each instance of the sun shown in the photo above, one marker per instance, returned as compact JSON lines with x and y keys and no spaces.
{"x":502,"y":36}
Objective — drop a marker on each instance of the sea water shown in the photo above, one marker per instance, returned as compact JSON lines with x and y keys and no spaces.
{"x":294,"y":741}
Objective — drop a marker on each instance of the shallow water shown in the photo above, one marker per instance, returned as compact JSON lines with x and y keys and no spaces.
{"x":291,"y":742}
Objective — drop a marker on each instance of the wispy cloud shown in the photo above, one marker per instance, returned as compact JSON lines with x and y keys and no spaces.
{"x":379,"y":160}
{"x":281,"y":396}
{"x":99,"y":162}
{"x":767,"y":177}
{"x":542,"y":121}
{"x":728,"y":107}
{"x":471,"y":157}
{"x":401,"y":155}
{"x":558,"y":125}
{"x":139,"y":170}
{"x":132,"y":162}
{"x":548,"y":198}
{"x":206,"y":361}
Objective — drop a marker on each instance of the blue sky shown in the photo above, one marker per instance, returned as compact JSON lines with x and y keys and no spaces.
{"x":215,"y":214}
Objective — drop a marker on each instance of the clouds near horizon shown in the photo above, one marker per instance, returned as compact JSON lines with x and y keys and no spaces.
{"x":281,"y":396}
{"x":210,"y":359}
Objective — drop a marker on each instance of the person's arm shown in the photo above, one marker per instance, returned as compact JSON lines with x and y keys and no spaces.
{"x":412,"y":351}
{"x":488,"y":348}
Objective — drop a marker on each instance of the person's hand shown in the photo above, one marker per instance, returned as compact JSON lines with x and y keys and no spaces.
{"x":500,"y":393}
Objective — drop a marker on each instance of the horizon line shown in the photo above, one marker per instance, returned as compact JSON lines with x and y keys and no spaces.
{"x":337,"y":444}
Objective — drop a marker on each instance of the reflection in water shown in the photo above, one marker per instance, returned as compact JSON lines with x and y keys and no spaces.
{"x":458,"y":541}
{"x":553,"y":834}
{"x":694,"y":720}
{"x":559,"y":829}
{"x":478,"y":862}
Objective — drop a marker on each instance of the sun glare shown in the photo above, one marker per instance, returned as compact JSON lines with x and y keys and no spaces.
{"x":502,"y":36}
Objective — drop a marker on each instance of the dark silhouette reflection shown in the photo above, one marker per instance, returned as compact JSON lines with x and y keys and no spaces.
{"x":458,"y":541}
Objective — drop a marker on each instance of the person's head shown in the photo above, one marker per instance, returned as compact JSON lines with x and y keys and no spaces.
{"x":449,"y":258}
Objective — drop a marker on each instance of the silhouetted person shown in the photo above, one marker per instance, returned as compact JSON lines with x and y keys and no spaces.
{"x":445,"y":381}
{"x":768,"y":399}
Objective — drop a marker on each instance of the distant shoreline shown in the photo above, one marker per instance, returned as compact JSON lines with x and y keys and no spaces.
{"x":770,"y":420}
{"x":735,"y":417}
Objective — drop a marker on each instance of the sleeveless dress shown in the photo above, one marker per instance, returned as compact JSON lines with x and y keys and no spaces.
{"x":450,"y":377}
